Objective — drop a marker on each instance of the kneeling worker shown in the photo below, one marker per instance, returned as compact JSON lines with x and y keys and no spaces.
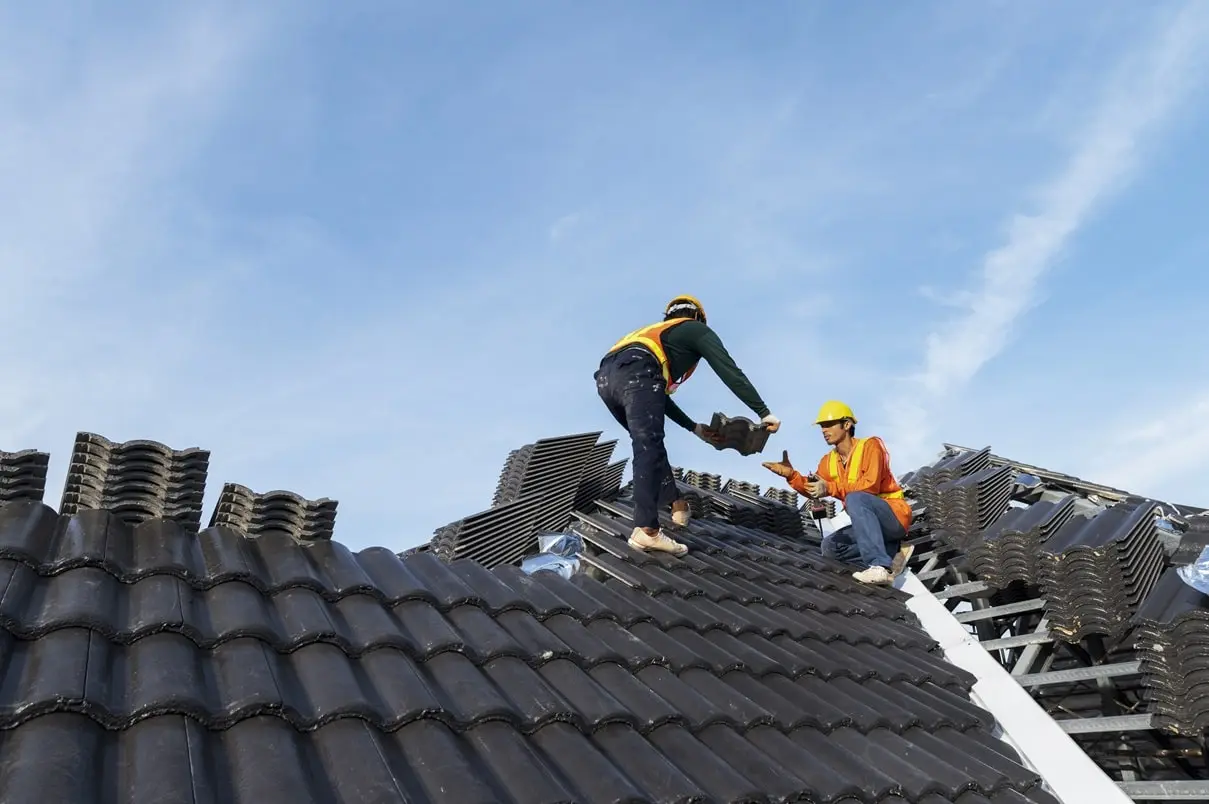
{"x":857,"y":471}
{"x":635,"y":380}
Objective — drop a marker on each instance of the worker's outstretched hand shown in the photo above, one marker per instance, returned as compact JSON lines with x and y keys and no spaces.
{"x":771,"y":422}
{"x":782,"y":467}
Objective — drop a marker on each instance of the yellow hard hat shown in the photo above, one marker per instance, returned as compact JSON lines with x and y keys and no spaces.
{"x":833,"y":410}
{"x":687,"y":300}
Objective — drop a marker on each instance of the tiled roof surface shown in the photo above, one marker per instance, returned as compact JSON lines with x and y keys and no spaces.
{"x":146,"y":661}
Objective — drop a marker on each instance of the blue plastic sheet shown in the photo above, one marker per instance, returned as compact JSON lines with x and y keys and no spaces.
{"x":1196,"y":574}
{"x":568,"y":545}
{"x":559,"y":553}
{"x":549,"y":562}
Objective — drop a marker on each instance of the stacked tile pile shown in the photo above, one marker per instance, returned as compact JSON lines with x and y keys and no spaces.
{"x":733,"y":485}
{"x":502,"y":534}
{"x":1009,"y":550}
{"x":703,"y":480}
{"x":282,"y":511}
{"x":741,"y":506}
{"x":967,"y":505}
{"x":783,"y":496}
{"x":700,"y":502}
{"x":1096,"y":571}
{"x":705,"y":503}
{"x":827,"y":508}
{"x":599,"y":478}
{"x":23,"y":475}
{"x":773,"y":516}
{"x":1172,"y":631}
{"x":508,"y":488}
{"x":136,"y":480}
{"x":538,"y":488}
{"x":925,"y":482}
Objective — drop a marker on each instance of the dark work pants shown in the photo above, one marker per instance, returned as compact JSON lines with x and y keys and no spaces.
{"x":631,"y":385}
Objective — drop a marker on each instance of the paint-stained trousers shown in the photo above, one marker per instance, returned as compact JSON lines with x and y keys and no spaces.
{"x":631,"y":385}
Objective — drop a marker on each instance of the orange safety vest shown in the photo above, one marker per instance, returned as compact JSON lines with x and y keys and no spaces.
{"x":651,"y":339}
{"x":854,"y":469}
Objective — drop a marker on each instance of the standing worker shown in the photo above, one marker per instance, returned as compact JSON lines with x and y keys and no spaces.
{"x":636,"y":379}
{"x":857,"y":471}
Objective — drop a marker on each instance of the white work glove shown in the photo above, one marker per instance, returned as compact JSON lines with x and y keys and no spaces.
{"x":771,"y":422}
{"x":816,"y":487}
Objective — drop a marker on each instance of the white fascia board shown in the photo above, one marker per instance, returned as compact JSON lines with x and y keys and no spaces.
{"x":1070,"y":774}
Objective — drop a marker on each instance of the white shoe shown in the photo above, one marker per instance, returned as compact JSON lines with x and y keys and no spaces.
{"x":874,"y":575}
{"x":643,"y":539}
{"x":681,"y":513}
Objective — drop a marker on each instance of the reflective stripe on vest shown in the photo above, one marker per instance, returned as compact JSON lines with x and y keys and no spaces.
{"x":651,"y":338}
{"x":854,"y":468}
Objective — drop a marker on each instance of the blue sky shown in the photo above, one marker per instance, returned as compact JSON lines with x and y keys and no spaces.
{"x":362,"y":251}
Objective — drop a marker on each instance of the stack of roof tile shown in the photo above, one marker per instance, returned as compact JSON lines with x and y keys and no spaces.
{"x":1009,"y":550}
{"x":599,"y":478}
{"x":549,"y":468}
{"x":745,"y":508}
{"x":966,"y":505}
{"x":814,"y":509}
{"x":925,"y":482}
{"x":256,"y":514}
{"x":148,"y":662}
{"x":731,"y":507}
{"x":23,"y":475}
{"x":537,"y":491}
{"x":732,"y":485}
{"x":508,"y":487}
{"x":773,"y":516}
{"x":783,"y":496}
{"x":1172,"y":632}
{"x":703,"y":480}
{"x":1096,"y":571}
{"x":499,"y":535}
{"x":138,"y":480}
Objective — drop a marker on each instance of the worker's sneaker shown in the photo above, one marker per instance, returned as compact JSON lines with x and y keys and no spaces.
{"x":900,"y":559}
{"x":656,"y":539}
{"x":681,"y":513}
{"x":874,"y":575}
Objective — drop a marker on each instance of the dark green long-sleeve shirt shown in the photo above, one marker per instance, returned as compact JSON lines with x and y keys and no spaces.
{"x":693,"y":340}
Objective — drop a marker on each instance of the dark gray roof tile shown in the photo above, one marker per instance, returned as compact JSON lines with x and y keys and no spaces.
{"x":213,"y":667}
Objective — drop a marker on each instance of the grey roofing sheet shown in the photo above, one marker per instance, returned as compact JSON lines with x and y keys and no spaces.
{"x":151,"y":663}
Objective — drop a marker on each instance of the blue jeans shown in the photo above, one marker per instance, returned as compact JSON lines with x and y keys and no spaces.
{"x":874,"y":534}
{"x":631,"y":385}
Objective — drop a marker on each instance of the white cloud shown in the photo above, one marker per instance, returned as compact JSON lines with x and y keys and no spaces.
{"x":1165,"y":453}
{"x":563,"y":226}
{"x":92,"y":138}
{"x":1138,"y":99}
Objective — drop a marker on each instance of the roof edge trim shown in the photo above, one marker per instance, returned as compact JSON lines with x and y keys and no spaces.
{"x":1070,"y":773}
